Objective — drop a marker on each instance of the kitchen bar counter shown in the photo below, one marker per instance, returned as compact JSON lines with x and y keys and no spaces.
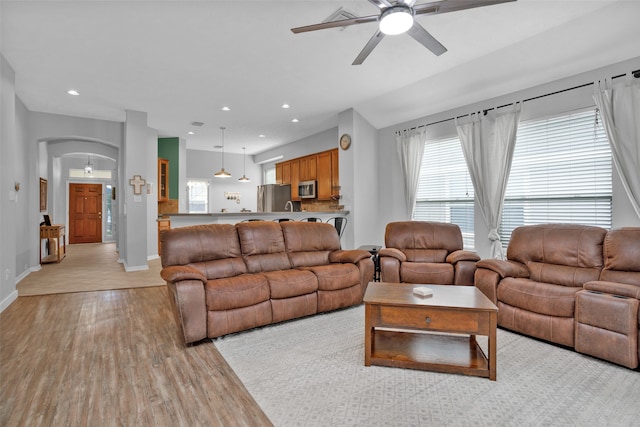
{"x":186,"y":219}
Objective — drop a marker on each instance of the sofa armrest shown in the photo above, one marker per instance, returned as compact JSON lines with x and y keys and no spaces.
{"x":621,"y":289}
{"x":349,"y":256}
{"x":504,"y":268}
{"x":177,"y":273}
{"x":393,"y":252}
{"x":188,"y":304}
{"x":462,"y":255}
{"x":489,"y":273}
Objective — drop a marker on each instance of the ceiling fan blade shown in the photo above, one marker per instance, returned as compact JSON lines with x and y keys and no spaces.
{"x":371,"y":44}
{"x":335,"y":24}
{"x":445,"y":6}
{"x":427,"y":40}
{"x":381,"y":3}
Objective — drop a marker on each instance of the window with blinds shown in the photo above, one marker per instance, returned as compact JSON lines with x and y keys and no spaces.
{"x":445,"y":191}
{"x":198,"y":196}
{"x":561,"y":173}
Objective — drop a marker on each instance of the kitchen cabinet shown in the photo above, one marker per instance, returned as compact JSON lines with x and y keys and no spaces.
{"x":335,"y":174}
{"x":283,"y":172}
{"x":163,"y":180}
{"x":323,"y":190}
{"x":295,"y":174}
{"x":308,"y":168}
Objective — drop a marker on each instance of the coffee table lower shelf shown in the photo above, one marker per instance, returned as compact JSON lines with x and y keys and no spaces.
{"x":429,"y":351}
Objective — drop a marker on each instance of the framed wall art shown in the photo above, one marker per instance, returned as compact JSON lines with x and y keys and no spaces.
{"x":43,"y":195}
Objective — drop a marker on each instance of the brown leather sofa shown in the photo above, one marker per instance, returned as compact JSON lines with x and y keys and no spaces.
{"x":426,"y":252}
{"x":573,"y":285}
{"x":225,"y":278}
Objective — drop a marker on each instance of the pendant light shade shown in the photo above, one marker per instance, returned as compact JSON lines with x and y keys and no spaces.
{"x":222,"y":173}
{"x":244,"y":158}
{"x":88,"y":168}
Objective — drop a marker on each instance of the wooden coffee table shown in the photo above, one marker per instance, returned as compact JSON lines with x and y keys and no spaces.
{"x":435,"y":333}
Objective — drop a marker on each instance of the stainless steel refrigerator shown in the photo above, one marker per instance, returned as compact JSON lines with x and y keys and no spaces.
{"x":273,"y":197}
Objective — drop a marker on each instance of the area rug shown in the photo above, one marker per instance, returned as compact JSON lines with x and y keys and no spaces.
{"x":310,"y":372}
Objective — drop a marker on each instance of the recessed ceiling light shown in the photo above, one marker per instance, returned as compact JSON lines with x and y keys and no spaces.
{"x":285,"y":105}
{"x":261,"y":136}
{"x":226,"y":108}
{"x":191,"y":133}
{"x":73,"y":92}
{"x":295,"y":120}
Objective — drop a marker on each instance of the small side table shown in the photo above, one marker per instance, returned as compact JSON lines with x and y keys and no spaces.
{"x":53,"y":232}
{"x":373,"y":250}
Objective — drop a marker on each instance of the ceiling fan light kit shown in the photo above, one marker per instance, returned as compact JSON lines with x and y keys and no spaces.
{"x":396,"y":20}
{"x":397,"y":17}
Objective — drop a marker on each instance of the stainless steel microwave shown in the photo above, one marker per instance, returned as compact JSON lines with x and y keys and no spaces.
{"x":307,"y":189}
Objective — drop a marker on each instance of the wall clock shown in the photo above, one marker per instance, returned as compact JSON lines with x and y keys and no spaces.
{"x":345,"y":141}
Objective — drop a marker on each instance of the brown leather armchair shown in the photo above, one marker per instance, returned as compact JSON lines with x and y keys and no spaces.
{"x":426,"y":252}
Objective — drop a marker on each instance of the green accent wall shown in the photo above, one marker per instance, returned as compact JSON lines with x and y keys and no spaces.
{"x":169,"y":148}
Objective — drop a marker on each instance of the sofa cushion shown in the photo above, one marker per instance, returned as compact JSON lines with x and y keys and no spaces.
{"x":426,"y":272}
{"x":560,"y":244}
{"x":426,"y":255}
{"x":336,"y":276}
{"x":543,"y":298}
{"x":235,"y":292}
{"x":561,"y":274}
{"x":291,"y":283}
{"x":563,"y":254}
{"x":262,"y":245}
{"x":423,"y":235}
{"x":309,"y":243}
{"x":199,"y":244}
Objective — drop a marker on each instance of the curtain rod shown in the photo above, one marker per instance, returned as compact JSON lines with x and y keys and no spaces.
{"x":635,"y":74}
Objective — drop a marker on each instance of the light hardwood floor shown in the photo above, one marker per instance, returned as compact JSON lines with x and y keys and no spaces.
{"x":112,"y":358}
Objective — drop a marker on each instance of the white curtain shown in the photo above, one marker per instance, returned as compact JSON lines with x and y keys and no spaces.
{"x":619,"y":106}
{"x":410,"y":145}
{"x":488,"y":142}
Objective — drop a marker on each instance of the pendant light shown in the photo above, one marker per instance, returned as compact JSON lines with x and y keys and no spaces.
{"x":244,"y":159}
{"x":88,"y":168}
{"x":222,"y":173}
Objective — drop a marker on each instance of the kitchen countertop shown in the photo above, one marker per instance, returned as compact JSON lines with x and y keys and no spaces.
{"x":184,"y":219}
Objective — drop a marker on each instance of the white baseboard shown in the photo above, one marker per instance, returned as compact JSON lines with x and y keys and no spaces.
{"x":135,"y":268}
{"x":8,"y":300}
{"x":150,"y":257}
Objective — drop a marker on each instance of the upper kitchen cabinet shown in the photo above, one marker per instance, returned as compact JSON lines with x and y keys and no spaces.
{"x":283,"y":173}
{"x":163,"y":180}
{"x":308,"y":168}
{"x":327,"y":174}
{"x":295,"y":178}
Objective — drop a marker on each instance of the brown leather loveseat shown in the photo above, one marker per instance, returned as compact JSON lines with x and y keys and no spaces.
{"x":426,"y":252}
{"x":573,"y":285}
{"x":225,"y":278}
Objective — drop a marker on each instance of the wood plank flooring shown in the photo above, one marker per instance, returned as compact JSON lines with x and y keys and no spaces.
{"x":88,"y":267}
{"x":112,"y":358}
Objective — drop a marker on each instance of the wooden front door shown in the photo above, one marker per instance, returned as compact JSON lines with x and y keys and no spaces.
{"x":85,"y":213}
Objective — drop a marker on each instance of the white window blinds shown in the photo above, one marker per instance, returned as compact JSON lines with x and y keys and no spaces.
{"x":561,"y":172}
{"x":445,"y":191}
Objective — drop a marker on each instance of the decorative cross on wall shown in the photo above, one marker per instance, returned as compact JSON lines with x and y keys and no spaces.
{"x":137,"y":183}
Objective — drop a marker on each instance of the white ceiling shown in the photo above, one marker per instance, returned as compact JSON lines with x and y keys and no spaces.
{"x":181,"y":61}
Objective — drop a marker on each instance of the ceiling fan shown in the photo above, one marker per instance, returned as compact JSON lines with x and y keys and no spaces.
{"x":396,"y":17}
